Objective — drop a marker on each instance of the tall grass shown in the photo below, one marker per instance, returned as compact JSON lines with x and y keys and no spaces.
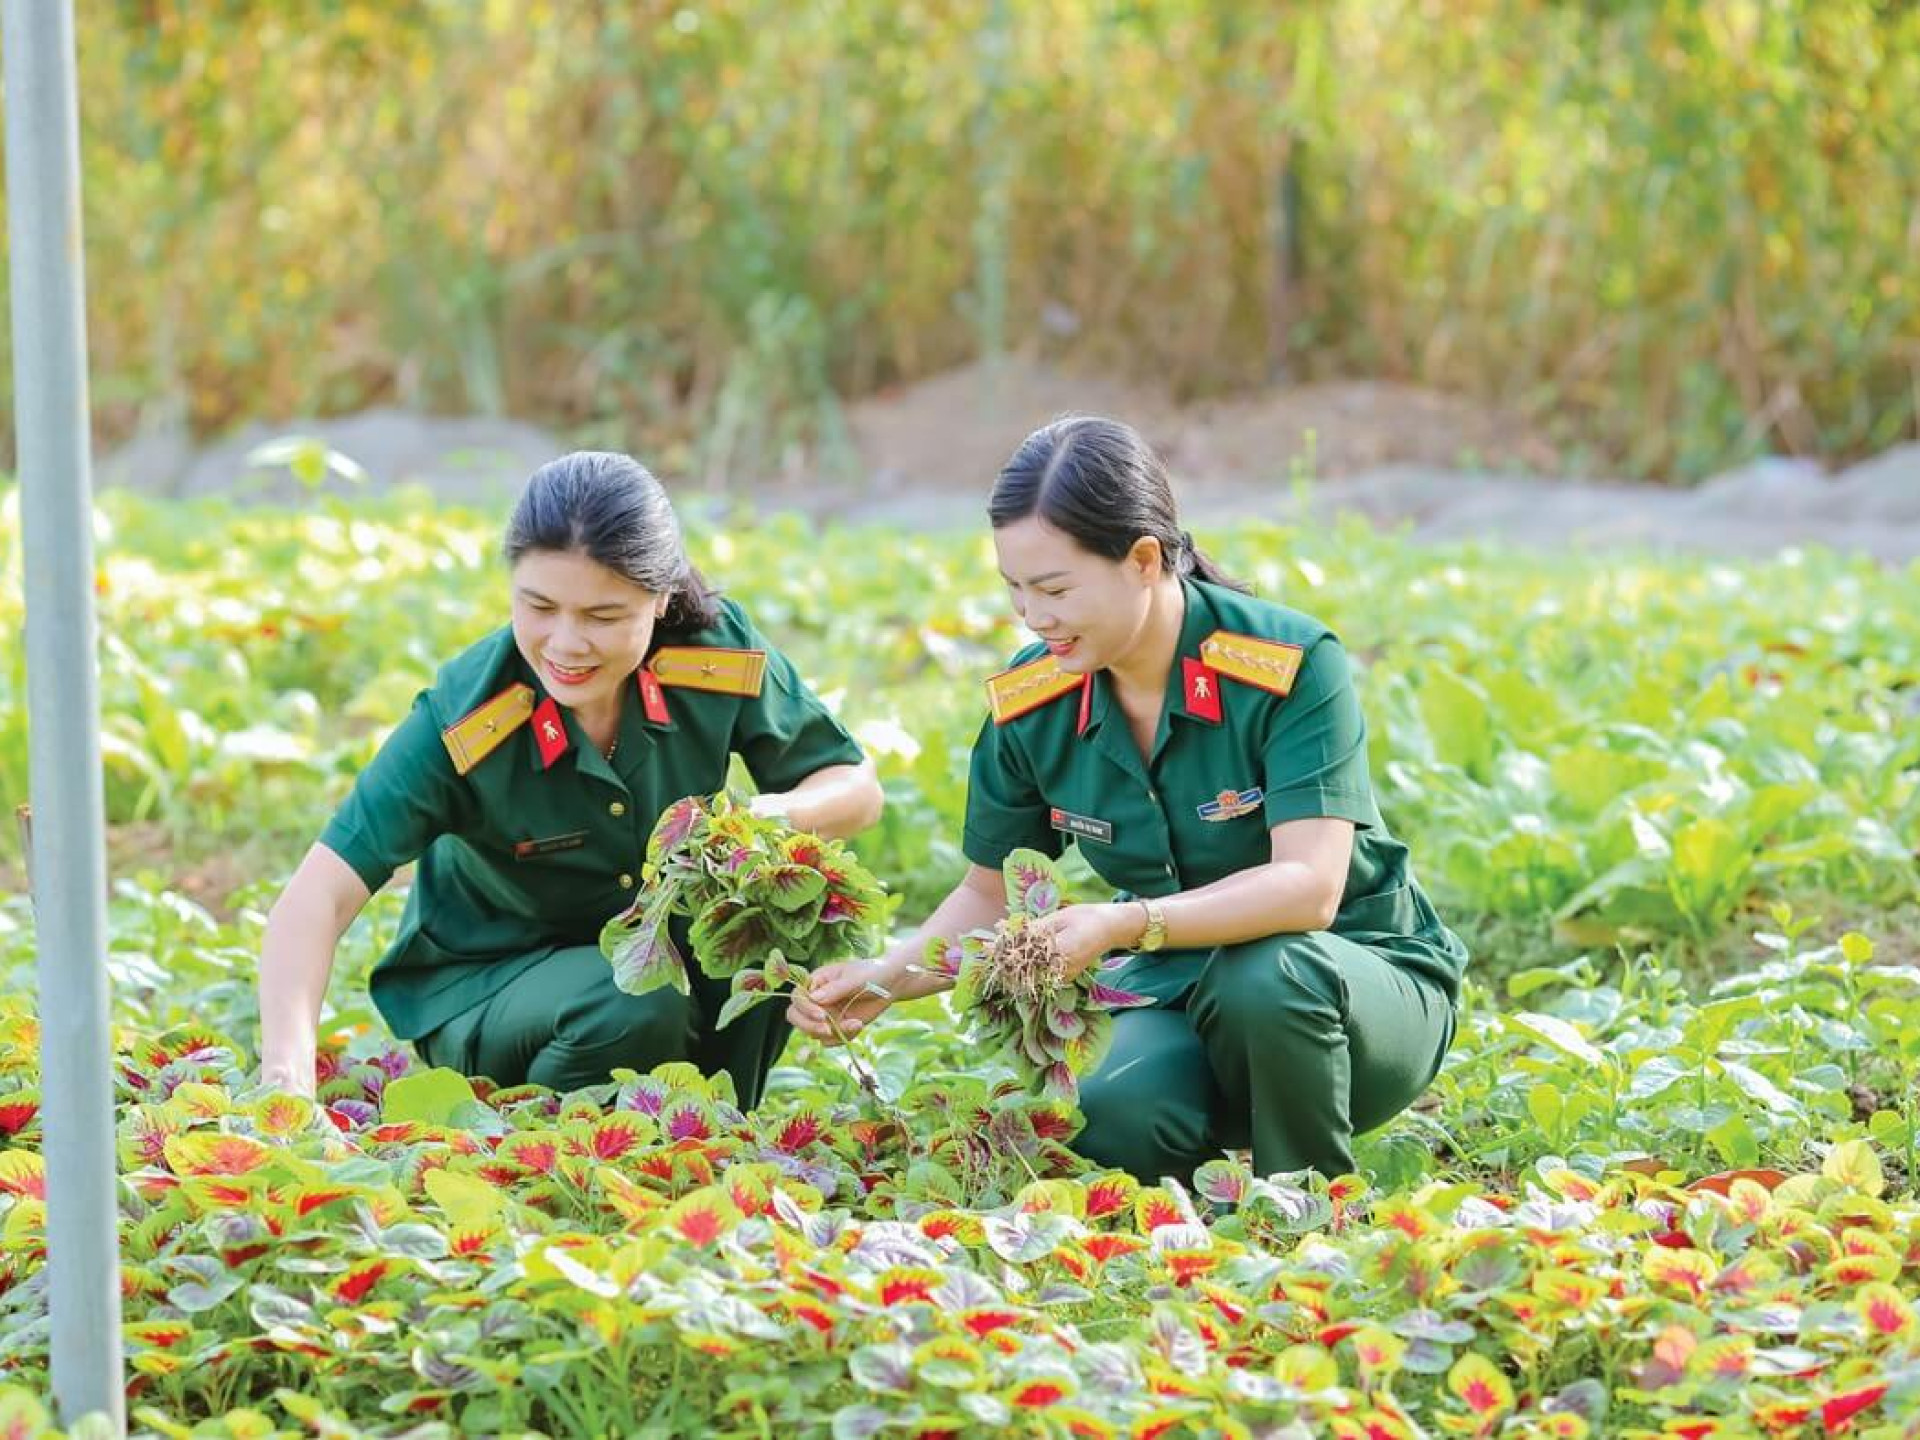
{"x":1673,"y":233}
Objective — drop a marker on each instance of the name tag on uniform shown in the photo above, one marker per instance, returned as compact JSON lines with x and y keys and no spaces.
{"x":1082,"y":825}
{"x":527,"y":849}
{"x":1232,"y":804}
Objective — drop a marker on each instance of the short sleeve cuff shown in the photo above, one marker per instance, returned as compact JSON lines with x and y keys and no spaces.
{"x":361,"y":857}
{"x":1315,"y":802}
{"x":800,"y":736}
{"x":806,"y":756}
{"x":990,"y":852}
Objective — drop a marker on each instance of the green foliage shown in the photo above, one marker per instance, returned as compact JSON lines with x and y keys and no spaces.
{"x":644,"y":1254}
{"x":432,"y":1098}
{"x":1640,"y":1196}
{"x":1674,"y":233}
{"x":1638,"y":751}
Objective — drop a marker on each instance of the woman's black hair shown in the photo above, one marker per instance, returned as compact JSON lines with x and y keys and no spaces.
{"x":609,"y":508}
{"x":1099,"y":482}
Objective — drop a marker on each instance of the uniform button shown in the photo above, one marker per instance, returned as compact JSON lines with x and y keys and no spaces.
{"x":626,"y":881}
{"x":616,"y":809}
{"x":1151,"y":795}
{"x":1169,"y":870}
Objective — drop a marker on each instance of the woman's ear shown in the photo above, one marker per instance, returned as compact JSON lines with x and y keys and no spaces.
{"x":1148,"y":557}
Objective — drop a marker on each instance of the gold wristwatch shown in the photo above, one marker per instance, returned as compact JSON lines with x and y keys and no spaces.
{"x":1155,"y":935}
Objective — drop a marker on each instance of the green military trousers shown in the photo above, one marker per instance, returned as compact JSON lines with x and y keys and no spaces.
{"x":562,"y":1023}
{"x":1291,"y":1044}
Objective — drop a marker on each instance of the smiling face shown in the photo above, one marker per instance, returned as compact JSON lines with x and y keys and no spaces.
{"x":1091,"y":611}
{"x":582,"y":627}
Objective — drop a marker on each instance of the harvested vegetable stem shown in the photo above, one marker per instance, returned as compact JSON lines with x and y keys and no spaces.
{"x":868,"y":1081}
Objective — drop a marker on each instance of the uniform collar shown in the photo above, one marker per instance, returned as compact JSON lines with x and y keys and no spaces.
{"x":1195,"y":626}
{"x":636,"y":734}
{"x":1199,"y":623}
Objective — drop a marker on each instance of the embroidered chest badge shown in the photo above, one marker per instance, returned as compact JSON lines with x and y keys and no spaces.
{"x":1232,"y":804}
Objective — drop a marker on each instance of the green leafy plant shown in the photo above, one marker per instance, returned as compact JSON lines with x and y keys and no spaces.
{"x":1659,"y":1187}
{"x":766,"y":904}
{"x":1012,"y":982}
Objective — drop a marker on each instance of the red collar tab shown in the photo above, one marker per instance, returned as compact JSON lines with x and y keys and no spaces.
{"x":1203,"y":690}
{"x":549,"y":732}
{"x":653,"y":699}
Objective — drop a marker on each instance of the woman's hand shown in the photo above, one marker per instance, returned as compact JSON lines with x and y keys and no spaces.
{"x":1084,"y":933}
{"x":296,"y":957}
{"x":853,"y":992}
{"x":293,"y":1075}
{"x":849,"y":994}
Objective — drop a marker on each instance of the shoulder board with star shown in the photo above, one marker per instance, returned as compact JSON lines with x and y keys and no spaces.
{"x":1270,"y":665}
{"x":483,"y":729}
{"x":1012,"y":693}
{"x":708,"y":667}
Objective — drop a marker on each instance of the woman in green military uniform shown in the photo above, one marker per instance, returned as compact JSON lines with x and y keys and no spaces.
{"x":1208,"y":753}
{"x":526,"y":781}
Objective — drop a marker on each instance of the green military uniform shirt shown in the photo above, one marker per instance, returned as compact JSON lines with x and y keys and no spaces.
{"x":1232,"y":757}
{"x":529,"y":851}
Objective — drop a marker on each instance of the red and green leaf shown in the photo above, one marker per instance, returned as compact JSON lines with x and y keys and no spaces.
{"x":23,"y":1172}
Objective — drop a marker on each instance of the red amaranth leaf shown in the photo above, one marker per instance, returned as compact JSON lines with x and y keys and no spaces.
{"x":799,"y":1132}
{"x":687,"y":1122}
{"x":617,"y":1135}
{"x":1110,"y":1195}
{"x":984,"y":1320}
{"x":223,"y":1194}
{"x":310,"y":1198}
{"x":1038,"y":1394}
{"x":1837,"y":1414}
{"x":1104,"y":1247}
{"x":539,"y":1153}
{"x":23,"y":1172}
{"x":1052,"y":1122}
{"x":18,"y":1111}
{"x":702,"y":1218}
{"x":906,"y":1283}
{"x":353,"y":1286}
{"x":1156,"y":1209}
{"x":216,"y":1154}
{"x":809,"y":1313}
{"x":1186,"y":1264}
{"x":162,"y":1334}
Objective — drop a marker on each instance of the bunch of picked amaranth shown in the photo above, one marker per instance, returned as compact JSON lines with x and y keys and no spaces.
{"x":767,"y":903}
{"x":1012,"y":983}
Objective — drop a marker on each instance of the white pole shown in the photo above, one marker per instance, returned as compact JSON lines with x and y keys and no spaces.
{"x":69,"y":858}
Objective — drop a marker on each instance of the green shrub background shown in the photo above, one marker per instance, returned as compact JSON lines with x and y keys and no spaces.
{"x":1668,"y":233}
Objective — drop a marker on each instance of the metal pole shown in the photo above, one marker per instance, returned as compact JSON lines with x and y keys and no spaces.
{"x":69,"y":857}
